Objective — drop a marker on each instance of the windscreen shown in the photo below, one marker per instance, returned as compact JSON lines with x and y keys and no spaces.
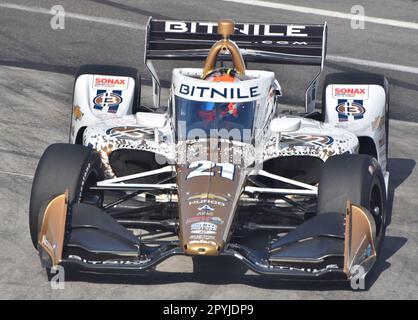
{"x":213,"y":119}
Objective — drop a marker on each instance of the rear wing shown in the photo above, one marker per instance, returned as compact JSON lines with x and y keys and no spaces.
{"x":258,"y":42}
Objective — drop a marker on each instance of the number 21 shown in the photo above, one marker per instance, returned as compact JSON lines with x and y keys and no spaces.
{"x":201,"y":167}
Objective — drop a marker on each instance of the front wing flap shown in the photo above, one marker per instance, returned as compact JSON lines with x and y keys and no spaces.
{"x":51,"y":235}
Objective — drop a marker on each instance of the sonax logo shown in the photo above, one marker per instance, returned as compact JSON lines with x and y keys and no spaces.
{"x":110,"y":82}
{"x":350,"y":92}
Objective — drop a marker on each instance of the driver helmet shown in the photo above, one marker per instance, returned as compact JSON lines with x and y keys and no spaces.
{"x":207,"y":110}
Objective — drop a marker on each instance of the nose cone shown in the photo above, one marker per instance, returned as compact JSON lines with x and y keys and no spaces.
{"x":207,"y":249}
{"x":209,"y":188}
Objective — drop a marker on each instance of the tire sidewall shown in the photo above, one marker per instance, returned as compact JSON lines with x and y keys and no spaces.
{"x":372,"y":180}
{"x":378,"y":181}
{"x":92,"y":166}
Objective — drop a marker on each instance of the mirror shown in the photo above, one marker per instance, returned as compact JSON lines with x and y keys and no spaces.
{"x":285,"y":124}
{"x":151,"y":120}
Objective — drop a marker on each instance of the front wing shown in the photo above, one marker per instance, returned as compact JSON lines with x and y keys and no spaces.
{"x":328,"y":246}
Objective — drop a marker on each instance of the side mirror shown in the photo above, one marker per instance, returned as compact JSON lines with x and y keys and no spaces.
{"x":285,"y":124}
{"x":151,"y":120}
{"x":277,"y":88}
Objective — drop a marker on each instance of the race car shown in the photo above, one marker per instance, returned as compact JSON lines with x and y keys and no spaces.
{"x":220,"y":163}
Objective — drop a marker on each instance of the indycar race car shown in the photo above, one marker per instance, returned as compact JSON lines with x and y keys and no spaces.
{"x":221,"y":164}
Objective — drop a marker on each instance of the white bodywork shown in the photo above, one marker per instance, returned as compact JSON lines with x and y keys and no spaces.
{"x":107,"y":132}
{"x":360,"y":109}
{"x":98,"y":98}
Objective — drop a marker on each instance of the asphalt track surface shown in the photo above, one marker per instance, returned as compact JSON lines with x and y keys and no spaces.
{"x":36,"y":78}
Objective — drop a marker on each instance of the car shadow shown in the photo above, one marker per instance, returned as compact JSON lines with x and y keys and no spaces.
{"x":235,"y":272}
{"x":399,"y":170}
{"x":391,"y":245}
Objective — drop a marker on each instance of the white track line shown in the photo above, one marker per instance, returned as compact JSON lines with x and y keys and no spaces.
{"x":9,"y":173}
{"x":373,"y":64}
{"x":120,"y":23}
{"x":77,"y":16}
{"x":327,"y":13}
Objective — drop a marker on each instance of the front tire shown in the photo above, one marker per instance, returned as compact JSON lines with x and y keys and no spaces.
{"x":358,"y":178}
{"x":63,"y":167}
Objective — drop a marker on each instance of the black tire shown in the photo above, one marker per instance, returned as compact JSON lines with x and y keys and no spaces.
{"x":61,"y":167}
{"x":358,"y":178}
{"x":116,"y":71}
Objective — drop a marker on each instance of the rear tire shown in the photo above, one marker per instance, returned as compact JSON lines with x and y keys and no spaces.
{"x":358,"y":178}
{"x":63,"y":167}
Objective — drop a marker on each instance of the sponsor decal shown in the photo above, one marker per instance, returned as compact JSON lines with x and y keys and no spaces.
{"x":108,"y":100}
{"x":203,"y":228}
{"x":206,"y":207}
{"x":215,"y":220}
{"x":201,"y":238}
{"x":206,"y":201}
{"x":358,"y":92}
{"x":369,"y":250}
{"x":195,"y":219}
{"x":207,"y":196}
{"x":78,"y":115}
{"x":110,"y":83}
{"x":307,"y":139}
{"x":132,"y":133}
{"x":226,"y":93}
{"x":350,"y":110}
{"x":204,"y":213}
{"x":205,"y":241}
{"x":247,"y":29}
{"x":109,"y":262}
